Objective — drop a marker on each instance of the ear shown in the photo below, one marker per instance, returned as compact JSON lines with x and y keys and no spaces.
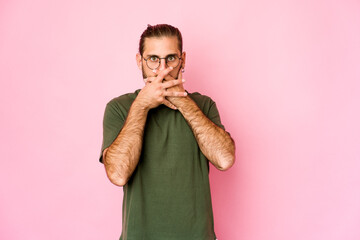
{"x":183,"y":60}
{"x":139,"y":60}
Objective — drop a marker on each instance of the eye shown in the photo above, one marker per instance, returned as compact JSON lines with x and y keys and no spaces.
{"x":171,"y":58}
{"x":154,"y":59}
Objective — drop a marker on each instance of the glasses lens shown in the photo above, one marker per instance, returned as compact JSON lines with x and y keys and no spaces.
{"x":172,"y":61}
{"x":153,"y":62}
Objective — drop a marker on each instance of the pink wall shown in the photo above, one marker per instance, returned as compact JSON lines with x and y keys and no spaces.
{"x":285,"y":76}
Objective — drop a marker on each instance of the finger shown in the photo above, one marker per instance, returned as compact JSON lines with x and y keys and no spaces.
{"x":171,"y":83}
{"x":169,"y":78}
{"x":169,"y":104}
{"x":175,"y":94}
{"x":154,"y":71}
{"x":163,"y":73}
{"x":149,"y":79}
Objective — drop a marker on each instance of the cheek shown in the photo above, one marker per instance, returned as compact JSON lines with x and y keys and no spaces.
{"x":174,"y":73}
{"x":147,"y":72}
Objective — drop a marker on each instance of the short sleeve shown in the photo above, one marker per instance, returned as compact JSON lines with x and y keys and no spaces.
{"x":208,"y":107}
{"x":112,"y":124}
{"x":214,"y":116}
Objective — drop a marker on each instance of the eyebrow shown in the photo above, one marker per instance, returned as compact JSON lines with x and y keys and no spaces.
{"x":154,"y":55}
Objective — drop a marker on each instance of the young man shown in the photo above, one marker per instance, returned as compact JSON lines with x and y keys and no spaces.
{"x":157,"y":144}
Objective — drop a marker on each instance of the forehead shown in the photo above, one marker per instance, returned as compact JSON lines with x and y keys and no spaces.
{"x":161,"y":46}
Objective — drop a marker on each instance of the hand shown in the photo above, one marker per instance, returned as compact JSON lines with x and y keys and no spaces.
{"x":176,"y":88}
{"x":177,"y":102}
{"x":155,"y":91}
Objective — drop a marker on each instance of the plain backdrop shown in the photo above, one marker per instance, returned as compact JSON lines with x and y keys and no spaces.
{"x":285,"y":76}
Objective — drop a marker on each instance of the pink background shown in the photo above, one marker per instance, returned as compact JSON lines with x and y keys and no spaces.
{"x":286,"y":79}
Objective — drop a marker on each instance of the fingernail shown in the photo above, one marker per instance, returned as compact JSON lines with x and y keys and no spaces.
{"x":185,"y":93}
{"x":183,"y":80}
{"x":171,"y":68}
{"x":145,"y":79}
{"x":154,"y":70}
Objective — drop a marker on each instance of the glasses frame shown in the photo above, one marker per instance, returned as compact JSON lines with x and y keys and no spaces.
{"x":160,"y":61}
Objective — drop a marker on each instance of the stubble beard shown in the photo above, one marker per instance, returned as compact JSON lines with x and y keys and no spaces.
{"x":143,"y":71}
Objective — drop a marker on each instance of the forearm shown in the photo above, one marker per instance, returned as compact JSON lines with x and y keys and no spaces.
{"x":122,"y":156}
{"x":214,"y":142}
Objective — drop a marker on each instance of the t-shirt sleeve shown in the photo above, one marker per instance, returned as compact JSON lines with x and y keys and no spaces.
{"x":213,"y":114}
{"x":113,"y":122}
{"x":208,"y":107}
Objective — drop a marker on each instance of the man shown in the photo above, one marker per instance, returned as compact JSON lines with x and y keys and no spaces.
{"x":157,"y":144}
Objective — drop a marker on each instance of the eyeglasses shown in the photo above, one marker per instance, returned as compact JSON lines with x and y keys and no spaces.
{"x":153,"y":62}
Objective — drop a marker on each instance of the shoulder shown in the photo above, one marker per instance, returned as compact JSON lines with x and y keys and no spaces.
{"x":123,"y":100}
{"x":196,"y":96}
{"x":121,"y":104}
{"x":204,"y":102}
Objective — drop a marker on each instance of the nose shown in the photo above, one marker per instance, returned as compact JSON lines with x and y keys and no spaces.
{"x":162,"y":64}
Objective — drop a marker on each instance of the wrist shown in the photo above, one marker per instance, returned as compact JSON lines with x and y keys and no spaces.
{"x":180,"y":102}
{"x":138,"y":104}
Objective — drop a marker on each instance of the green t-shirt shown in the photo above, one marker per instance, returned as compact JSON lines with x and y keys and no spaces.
{"x":168,"y":195}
